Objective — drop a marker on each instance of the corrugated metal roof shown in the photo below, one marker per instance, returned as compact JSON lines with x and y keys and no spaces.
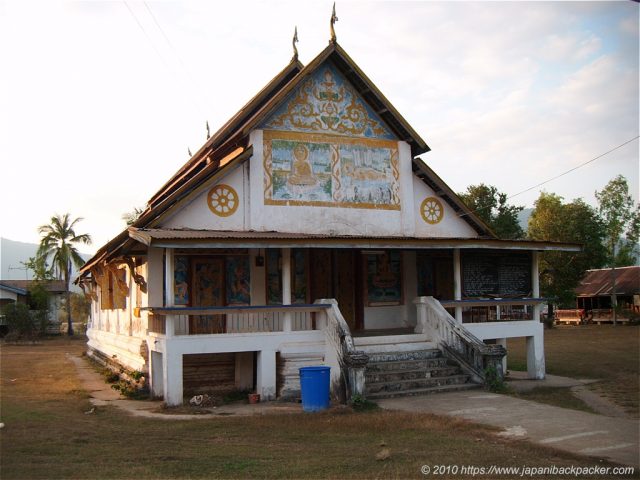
{"x":173,"y":237}
{"x":52,"y":286}
{"x":599,"y":282}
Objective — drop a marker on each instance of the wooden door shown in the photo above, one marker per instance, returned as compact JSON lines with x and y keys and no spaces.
{"x":321,"y":274}
{"x":208,"y":291}
{"x":346,"y":282}
{"x":443,"y":269}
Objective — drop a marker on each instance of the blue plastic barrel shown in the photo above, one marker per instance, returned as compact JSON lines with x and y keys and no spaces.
{"x":314,"y":386}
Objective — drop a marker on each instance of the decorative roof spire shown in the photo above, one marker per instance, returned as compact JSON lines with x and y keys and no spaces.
{"x":293,"y":42}
{"x":208,"y":131}
{"x":334,"y":19}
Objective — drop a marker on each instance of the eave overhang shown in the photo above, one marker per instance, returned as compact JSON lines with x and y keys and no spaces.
{"x":165,"y":238}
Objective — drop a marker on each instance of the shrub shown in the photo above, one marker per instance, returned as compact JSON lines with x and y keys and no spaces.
{"x":23,"y":324}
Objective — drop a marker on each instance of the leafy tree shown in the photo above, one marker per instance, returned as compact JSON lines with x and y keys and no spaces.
{"x":491,"y":206}
{"x":553,"y":220}
{"x":40,"y":268}
{"x":22,"y":323}
{"x":58,"y":243}
{"x":621,"y":219}
{"x":131,"y":217}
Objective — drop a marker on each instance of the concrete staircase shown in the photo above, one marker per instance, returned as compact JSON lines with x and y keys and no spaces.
{"x":401,"y":365}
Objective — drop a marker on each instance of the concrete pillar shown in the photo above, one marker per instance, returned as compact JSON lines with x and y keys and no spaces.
{"x":535,"y":283}
{"x":457,"y":282}
{"x":169,"y":278}
{"x":286,"y":287}
{"x":244,"y":370}
{"x":172,"y":376}
{"x":154,"y":277}
{"x":266,"y":374}
{"x":503,"y":342}
{"x":156,"y":375}
{"x":535,"y":355}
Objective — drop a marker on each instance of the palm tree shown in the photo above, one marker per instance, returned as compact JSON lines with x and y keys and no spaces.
{"x":57,"y":242}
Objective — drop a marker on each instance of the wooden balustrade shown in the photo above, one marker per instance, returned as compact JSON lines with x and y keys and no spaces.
{"x":240,"y":319}
{"x":455,"y":341}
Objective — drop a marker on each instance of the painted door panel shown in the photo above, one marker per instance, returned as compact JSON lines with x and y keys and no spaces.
{"x":208,"y":291}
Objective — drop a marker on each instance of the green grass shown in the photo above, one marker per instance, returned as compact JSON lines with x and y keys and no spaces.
{"x":603,"y":352}
{"x":559,"y":397}
{"x":48,"y":435}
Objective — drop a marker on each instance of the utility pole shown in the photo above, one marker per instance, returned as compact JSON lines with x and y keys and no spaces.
{"x":614,"y":298}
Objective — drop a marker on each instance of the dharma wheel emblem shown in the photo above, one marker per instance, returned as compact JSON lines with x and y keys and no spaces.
{"x":222,"y":200}
{"x":431,"y":210}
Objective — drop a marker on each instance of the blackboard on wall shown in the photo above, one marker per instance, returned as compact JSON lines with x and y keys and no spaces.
{"x":496,"y":274}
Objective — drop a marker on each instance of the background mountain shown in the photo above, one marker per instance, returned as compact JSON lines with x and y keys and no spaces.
{"x":523,"y":218}
{"x":13,"y":253}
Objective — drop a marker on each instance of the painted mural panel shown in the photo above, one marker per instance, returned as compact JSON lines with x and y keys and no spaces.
{"x":327,"y":103}
{"x":383,"y":273}
{"x":181,"y":280}
{"x":329,"y":171}
{"x":238,"y":282}
{"x":299,"y":278}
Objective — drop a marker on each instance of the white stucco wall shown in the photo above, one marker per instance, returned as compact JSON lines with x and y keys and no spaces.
{"x":451,"y":226}
{"x":118,"y":333}
{"x":197,"y":215}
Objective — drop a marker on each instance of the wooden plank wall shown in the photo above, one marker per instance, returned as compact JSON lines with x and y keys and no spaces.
{"x":207,"y":373}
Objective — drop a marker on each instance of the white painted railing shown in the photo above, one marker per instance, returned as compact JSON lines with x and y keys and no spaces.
{"x":455,"y":341}
{"x":348,"y":364}
{"x":173,"y":321}
{"x":496,"y":309}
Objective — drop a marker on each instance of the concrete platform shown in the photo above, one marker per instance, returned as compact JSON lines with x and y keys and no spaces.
{"x":598,"y":436}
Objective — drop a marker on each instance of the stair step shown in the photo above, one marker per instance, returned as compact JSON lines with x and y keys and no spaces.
{"x":394,"y":356}
{"x":393,"y":343}
{"x":423,"y":391}
{"x":398,"y":365}
{"x":413,"y":384}
{"x":390,"y":376}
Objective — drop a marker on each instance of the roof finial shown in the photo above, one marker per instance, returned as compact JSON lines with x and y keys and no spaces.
{"x":293,"y":42}
{"x":208,"y":131}
{"x":334,"y":19}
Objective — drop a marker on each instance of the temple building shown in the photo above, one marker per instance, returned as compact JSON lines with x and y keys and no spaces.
{"x":308,"y":231}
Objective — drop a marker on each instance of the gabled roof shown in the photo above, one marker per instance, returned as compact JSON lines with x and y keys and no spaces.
{"x":230,"y":146}
{"x":599,"y":282}
{"x":20,"y":286}
{"x":429,"y":177}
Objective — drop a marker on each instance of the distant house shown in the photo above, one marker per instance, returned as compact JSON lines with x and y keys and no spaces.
{"x":594,"y":292}
{"x":12,"y":291}
{"x":308,"y":231}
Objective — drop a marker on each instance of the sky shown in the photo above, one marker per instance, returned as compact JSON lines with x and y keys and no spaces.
{"x":100,"y":101}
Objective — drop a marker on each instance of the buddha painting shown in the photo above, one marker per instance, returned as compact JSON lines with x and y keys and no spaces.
{"x":301,"y":171}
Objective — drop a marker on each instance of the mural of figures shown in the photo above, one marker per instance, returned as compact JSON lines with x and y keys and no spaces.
{"x":181,"y":276}
{"x":238,"y":283}
{"x":384,"y":278}
{"x":274,"y":280}
{"x":327,"y":103}
{"x":320,"y":170}
{"x":301,"y":171}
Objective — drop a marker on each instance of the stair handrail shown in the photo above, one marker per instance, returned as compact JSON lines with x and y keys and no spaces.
{"x":350,"y":362}
{"x":476,"y":358}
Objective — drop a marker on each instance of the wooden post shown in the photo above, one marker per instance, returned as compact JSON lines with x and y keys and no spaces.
{"x":457,"y":283}
{"x":169,"y":299}
{"x":286,"y":287}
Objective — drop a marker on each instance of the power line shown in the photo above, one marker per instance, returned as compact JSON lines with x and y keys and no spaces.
{"x":177,"y":54}
{"x":560,"y":175}
{"x":575,"y":168}
{"x":160,"y":56}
